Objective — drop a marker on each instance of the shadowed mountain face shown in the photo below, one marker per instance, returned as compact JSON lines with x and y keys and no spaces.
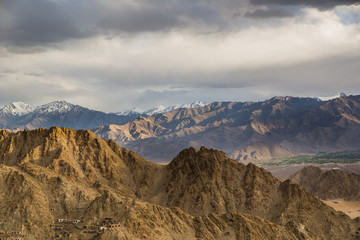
{"x":331,"y":184}
{"x":60,"y":173}
{"x":250,"y":132}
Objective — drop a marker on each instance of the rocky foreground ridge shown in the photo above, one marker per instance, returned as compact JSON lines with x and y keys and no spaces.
{"x":61,"y":183}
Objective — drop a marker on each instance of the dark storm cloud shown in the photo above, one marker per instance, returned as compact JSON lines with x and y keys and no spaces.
{"x":320,"y":4}
{"x":270,"y":13}
{"x":36,"y":24}
{"x":31,"y":23}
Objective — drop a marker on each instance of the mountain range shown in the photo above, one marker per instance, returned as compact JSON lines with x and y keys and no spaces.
{"x":57,"y":175}
{"x":19,"y":116}
{"x":246,"y":131}
{"x":161,"y":109}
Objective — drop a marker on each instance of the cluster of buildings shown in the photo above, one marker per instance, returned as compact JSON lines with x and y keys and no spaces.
{"x":59,"y":228}
{"x":108,"y":223}
{"x":62,"y":231}
{"x":74,"y":221}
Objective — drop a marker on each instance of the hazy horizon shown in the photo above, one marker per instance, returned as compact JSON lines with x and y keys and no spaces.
{"x":136,"y":108}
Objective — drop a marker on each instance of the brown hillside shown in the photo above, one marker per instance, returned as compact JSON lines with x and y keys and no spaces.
{"x":58,"y":173}
{"x":331,"y":184}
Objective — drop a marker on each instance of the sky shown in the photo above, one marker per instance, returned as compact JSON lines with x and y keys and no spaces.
{"x":112,"y":55}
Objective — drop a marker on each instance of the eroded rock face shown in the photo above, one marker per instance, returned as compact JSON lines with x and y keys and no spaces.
{"x":59,"y":173}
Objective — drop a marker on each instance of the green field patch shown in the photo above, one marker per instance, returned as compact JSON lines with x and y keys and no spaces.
{"x":319,"y":158}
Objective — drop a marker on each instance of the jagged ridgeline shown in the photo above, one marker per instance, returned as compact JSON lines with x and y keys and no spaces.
{"x":67,"y":184}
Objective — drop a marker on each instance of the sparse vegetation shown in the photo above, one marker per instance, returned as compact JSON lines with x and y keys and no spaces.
{"x":320,"y":158}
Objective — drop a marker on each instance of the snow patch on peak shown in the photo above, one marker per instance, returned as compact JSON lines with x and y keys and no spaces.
{"x":196,"y":104}
{"x":17,"y":108}
{"x":156,"y":110}
{"x":160,"y":109}
{"x":332,"y":97}
{"x":133,"y":111}
{"x":56,"y":106}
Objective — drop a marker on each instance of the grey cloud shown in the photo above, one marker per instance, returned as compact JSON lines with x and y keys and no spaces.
{"x":162,"y":97}
{"x":31,"y":23}
{"x":33,"y":74}
{"x":34,"y":25}
{"x":311,"y":78}
{"x":320,"y":4}
{"x":32,"y":91}
{"x":136,"y":20}
{"x":270,"y":13}
{"x":160,"y":15}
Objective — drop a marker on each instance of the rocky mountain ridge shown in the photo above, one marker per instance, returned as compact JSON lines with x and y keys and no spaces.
{"x":20,"y":116}
{"x":59,"y":173}
{"x":249,"y":132}
{"x":161,"y":109}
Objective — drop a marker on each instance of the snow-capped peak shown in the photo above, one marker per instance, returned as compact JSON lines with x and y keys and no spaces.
{"x":332,"y":97}
{"x":57,"y":106}
{"x":133,"y":111}
{"x":196,"y":104}
{"x":155,"y":110}
{"x":17,"y":108}
{"x":161,"y":109}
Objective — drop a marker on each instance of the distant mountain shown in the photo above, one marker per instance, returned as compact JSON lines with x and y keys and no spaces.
{"x":58,"y":107}
{"x":16,"y":109}
{"x":328,"y":184}
{"x":246,"y":131}
{"x":161,"y":109}
{"x":332,"y":97}
{"x":18,"y":116}
{"x":133,"y":111}
{"x":48,"y":176}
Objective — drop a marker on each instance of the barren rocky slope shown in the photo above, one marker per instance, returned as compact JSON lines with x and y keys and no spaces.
{"x":59,"y":173}
{"x":246,"y":131}
{"x":330,"y":184}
